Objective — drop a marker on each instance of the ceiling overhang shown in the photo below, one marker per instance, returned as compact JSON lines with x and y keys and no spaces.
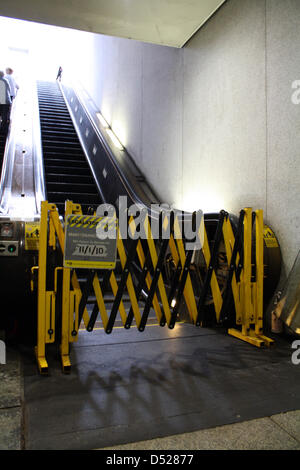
{"x":165,"y":22}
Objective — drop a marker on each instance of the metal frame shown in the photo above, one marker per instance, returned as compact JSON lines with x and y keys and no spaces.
{"x":68,"y":300}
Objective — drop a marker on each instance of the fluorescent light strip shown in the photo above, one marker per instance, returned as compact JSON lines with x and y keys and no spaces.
{"x":102,"y":120}
{"x":115,"y":140}
{"x":113,"y":136}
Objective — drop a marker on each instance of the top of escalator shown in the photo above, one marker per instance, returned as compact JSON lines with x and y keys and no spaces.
{"x":68,"y":175}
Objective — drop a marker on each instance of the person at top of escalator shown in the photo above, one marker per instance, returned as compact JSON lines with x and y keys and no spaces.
{"x":12,"y":83}
{"x":5,"y":90}
{"x":5,"y":102}
{"x":59,"y":74}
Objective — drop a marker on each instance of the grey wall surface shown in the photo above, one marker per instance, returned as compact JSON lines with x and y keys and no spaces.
{"x":213,"y":125}
{"x":283,"y":119}
{"x":138,"y":88}
{"x":224,"y":126}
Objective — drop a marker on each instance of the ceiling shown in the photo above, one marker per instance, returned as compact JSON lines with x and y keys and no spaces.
{"x":166,"y":22}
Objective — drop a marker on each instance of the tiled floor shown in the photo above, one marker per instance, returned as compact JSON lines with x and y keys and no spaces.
{"x":279,"y":432}
{"x":10,"y":403}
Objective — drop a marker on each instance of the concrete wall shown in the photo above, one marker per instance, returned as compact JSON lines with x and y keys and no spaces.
{"x":224,"y":109}
{"x":213,"y":125}
{"x":138,"y":88}
{"x":283,"y":119}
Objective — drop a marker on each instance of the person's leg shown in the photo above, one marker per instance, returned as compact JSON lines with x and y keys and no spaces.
{"x":1,"y":116}
{"x":5,"y":108}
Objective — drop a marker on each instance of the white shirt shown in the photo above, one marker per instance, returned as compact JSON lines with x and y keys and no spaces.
{"x":13,"y":85}
{"x":4,"y":92}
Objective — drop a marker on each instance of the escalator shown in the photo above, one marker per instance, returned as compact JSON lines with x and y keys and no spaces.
{"x":2,"y":145}
{"x":72,"y":160}
{"x":67,"y":173}
{"x":3,"y":136}
{"x":65,"y":117}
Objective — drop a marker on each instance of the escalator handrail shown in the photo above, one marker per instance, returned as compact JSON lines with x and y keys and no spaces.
{"x":81,"y":140}
{"x":8,"y":162}
{"x":37,"y":153}
{"x":123,"y":177}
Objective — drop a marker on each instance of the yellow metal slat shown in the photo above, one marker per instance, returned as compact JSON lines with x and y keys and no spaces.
{"x":154,"y":259}
{"x":259,"y":270}
{"x":50,"y":317}
{"x":40,"y":349}
{"x":229,"y":241}
{"x":77,"y":289}
{"x":216,"y":292}
{"x":72,"y":317}
{"x":188,"y":292}
{"x":129,"y":283}
{"x":114,"y":287}
{"x":54,"y":216}
{"x":100,"y":301}
{"x":247,"y":270}
{"x":142,"y":259}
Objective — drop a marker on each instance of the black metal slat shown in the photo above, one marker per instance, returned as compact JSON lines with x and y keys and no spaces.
{"x":85,"y":293}
{"x":183,"y":279}
{"x":93,"y":318}
{"x":106,"y":275}
{"x":121,"y":287}
{"x":212,"y":265}
{"x":174,"y":284}
{"x":141,"y":277}
{"x":181,"y":287}
{"x":157,"y":272}
{"x":227,"y":296}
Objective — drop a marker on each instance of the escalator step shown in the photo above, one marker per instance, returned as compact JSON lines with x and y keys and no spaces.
{"x":61,"y":138}
{"x":67,"y":172}
{"x":63,"y":177}
{"x":78,"y":188}
{"x":73,"y":171}
{"x":52,"y":143}
{"x":65,"y":163}
{"x":75,"y":197}
{"x":53,"y":150}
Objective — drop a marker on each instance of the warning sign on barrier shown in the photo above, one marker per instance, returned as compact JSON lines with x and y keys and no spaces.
{"x":269,"y":238}
{"x":90,"y":242}
{"x":32,"y":235}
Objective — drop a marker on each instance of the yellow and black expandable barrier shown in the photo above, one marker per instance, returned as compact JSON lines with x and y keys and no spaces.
{"x":64,"y":300}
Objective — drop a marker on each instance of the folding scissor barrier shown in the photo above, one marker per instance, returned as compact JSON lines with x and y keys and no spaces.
{"x":64,"y":299}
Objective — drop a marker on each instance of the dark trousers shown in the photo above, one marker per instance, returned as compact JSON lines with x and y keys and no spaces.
{"x":4,"y":113}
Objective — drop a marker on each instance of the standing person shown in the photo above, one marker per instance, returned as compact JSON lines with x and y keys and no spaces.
{"x":5,"y":102}
{"x":59,"y":74}
{"x":12,"y":83}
